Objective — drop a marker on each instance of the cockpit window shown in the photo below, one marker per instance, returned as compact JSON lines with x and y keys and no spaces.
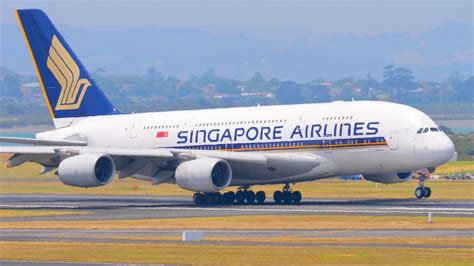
{"x":419,"y":131}
{"x":425,"y":130}
{"x":433,"y":129}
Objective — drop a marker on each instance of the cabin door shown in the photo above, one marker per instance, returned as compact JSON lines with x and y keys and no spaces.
{"x":134,"y":129}
{"x":393,"y":140}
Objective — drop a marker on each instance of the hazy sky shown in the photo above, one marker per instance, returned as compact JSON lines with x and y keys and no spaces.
{"x":257,"y":19}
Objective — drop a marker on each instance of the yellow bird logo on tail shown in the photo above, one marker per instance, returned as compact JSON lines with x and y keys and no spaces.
{"x":67,"y":73}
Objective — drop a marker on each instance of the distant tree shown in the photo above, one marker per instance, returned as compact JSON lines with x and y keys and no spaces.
{"x":274,"y":82}
{"x":368,"y":82}
{"x":320,"y":93}
{"x":256,"y":83}
{"x":257,"y":78}
{"x":398,"y":78}
{"x":289,"y":93}
{"x":154,"y":76}
{"x":209,"y":77}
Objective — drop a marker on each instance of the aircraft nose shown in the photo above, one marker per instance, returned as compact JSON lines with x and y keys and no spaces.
{"x":445,"y":149}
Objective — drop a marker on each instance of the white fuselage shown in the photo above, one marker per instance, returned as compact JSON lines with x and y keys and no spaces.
{"x":362,"y":137}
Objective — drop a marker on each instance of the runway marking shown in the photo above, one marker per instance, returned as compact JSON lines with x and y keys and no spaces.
{"x":301,"y":210}
{"x":427,"y":208}
{"x":381,"y":210}
{"x":15,"y":206}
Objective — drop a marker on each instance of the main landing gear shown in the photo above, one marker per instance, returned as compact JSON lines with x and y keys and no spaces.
{"x":287,"y":196}
{"x":245,"y":195}
{"x":422,"y":191}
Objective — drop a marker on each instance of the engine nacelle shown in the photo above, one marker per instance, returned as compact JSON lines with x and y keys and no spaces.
{"x":390,"y":178}
{"x":204,"y":175}
{"x":87,"y":170}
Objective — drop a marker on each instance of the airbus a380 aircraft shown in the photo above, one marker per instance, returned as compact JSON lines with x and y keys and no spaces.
{"x":206,"y":151}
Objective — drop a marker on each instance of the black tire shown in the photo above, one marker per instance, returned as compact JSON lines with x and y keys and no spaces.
{"x":229,"y":197}
{"x":240,"y":197}
{"x":260,"y":197}
{"x":250,"y":197}
{"x":419,"y":192}
{"x":277,"y":196}
{"x":287,"y":197}
{"x":198,"y":198}
{"x":296,"y":197}
{"x":217,"y":198}
{"x":427,"y":192}
{"x":208,"y":198}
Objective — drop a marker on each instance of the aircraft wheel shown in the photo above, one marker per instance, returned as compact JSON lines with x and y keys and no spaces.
{"x":287,"y":197}
{"x":296,"y":197}
{"x":260,"y":196}
{"x":217,"y":198}
{"x":419,"y":192}
{"x":208,"y":198}
{"x":229,"y":197}
{"x":240,"y":197}
{"x":198,"y":198}
{"x":277,"y":196}
{"x":427,"y":192}
{"x":250,"y":197}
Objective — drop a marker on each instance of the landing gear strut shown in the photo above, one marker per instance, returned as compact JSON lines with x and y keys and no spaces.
{"x":421,"y":191}
{"x":286,"y":195}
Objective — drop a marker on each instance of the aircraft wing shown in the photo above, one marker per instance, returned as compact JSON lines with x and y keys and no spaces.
{"x":41,"y":142}
{"x":151,"y":162}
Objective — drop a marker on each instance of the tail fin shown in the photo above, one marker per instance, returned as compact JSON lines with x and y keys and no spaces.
{"x":69,"y":90}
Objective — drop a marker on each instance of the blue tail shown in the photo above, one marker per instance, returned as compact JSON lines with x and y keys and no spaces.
{"x":67,"y":86}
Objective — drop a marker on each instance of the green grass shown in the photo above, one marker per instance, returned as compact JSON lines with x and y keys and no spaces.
{"x":456,"y":167}
{"x":257,"y":222}
{"x":228,"y":254}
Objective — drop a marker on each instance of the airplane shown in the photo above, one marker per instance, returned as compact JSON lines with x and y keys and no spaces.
{"x":207,"y":151}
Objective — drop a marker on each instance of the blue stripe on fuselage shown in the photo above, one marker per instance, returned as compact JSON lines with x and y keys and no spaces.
{"x":292,"y":145}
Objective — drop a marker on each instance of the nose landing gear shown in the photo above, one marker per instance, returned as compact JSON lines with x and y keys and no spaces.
{"x":422,"y":191}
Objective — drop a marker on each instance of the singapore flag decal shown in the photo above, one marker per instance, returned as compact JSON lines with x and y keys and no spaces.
{"x":162,"y":134}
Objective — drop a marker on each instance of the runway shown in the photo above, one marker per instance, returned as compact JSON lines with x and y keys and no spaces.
{"x":139,"y":208}
{"x":109,"y":207}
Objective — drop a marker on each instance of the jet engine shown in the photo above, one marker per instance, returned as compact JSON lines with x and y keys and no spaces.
{"x":390,"y":178}
{"x":87,"y":170}
{"x":204,"y":175}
